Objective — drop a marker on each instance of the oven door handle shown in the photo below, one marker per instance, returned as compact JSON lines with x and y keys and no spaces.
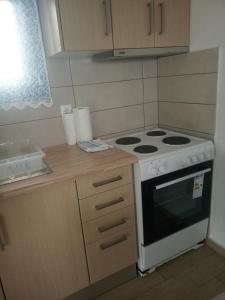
{"x":163,"y":185}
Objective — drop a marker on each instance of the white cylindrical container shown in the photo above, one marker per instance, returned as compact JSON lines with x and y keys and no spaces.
{"x":82,"y":120}
{"x":69,"y":128}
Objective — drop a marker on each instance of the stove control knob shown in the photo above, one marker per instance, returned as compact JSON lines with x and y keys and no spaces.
{"x":153,"y":171}
{"x":194,"y":159}
{"x":162,"y":169}
{"x":201,"y":157}
{"x":187,"y":162}
{"x":208,"y":155}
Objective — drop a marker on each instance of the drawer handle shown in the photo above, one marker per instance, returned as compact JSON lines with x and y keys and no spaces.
{"x":111,"y":244}
{"x":3,"y":242}
{"x":107,"y":14}
{"x":149,"y":5}
{"x":110,"y":203}
{"x":104,"y":182}
{"x":111,"y":226}
{"x":161,"y":9}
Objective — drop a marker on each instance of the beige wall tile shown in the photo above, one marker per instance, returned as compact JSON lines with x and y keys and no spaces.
{"x":85,"y":70}
{"x":59,"y":72}
{"x":189,"y":88}
{"x":151,"y":113}
{"x":116,"y":120}
{"x":149,"y":67}
{"x":109,"y":95}
{"x":45,"y":132}
{"x":195,"y":117}
{"x":150,"y":90}
{"x":205,"y":61}
{"x":60,"y":96}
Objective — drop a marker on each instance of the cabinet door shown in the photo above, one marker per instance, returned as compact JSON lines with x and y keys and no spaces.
{"x":133,"y":25}
{"x":43,"y":257}
{"x":86,"y":24}
{"x":172,"y":23}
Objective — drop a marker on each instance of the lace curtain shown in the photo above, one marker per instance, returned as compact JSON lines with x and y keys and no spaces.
{"x":23,"y":74}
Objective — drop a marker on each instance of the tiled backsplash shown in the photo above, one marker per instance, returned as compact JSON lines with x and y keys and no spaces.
{"x":187,"y":92}
{"x":122,"y":96}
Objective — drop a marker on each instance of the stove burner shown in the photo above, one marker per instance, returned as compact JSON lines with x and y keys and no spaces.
{"x":145,"y":149}
{"x":128,"y":140}
{"x":156,"y":133}
{"x":176,"y":140}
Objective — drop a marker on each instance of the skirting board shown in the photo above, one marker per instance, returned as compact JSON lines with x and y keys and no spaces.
{"x":106,"y":284}
{"x":217,"y":248}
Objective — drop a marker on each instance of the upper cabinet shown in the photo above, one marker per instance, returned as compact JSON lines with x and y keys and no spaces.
{"x":133,"y":23}
{"x":87,"y":25}
{"x":150,"y":23}
{"x":172,"y":23}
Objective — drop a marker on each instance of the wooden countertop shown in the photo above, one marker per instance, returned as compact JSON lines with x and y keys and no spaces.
{"x":67,"y":162}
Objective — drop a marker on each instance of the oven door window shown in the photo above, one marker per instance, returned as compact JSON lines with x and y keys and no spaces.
{"x":175,"y":204}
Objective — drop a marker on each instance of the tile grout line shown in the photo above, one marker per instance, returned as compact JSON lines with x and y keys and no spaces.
{"x":71,"y":77}
{"x":143,"y":91}
{"x":186,"y":74}
{"x":158,"y":88}
{"x":183,"y":102}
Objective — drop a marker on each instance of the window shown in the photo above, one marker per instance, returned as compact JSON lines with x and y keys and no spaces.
{"x":23,"y":74}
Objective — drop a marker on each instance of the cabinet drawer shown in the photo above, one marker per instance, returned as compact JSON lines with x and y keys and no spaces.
{"x":92,"y":184}
{"x":105,"y":203}
{"x":112,"y":254}
{"x":109,"y":224}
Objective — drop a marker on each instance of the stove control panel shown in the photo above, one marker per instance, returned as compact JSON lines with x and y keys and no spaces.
{"x":177,"y":161}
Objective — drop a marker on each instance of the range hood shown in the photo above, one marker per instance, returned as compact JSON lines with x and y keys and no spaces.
{"x":140,"y":52}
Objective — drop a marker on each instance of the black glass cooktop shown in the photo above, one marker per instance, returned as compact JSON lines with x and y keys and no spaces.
{"x":156,"y":133}
{"x":176,"y":140}
{"x":130,"y":140}
{"x":144,"y":149}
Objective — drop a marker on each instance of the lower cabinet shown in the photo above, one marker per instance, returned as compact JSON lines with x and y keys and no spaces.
{"x":51,"y":243}
{"x":108,"y":219}
{"x":42,"y":255}
{"x":112,"y":254}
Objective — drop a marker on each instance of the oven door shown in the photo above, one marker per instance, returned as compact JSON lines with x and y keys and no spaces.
{"x":174,"y":201}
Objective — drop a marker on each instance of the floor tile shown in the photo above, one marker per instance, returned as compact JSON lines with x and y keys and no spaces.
{"x":196,"y":275}
{"x":133,"y":288}
{"x":207,"y":291}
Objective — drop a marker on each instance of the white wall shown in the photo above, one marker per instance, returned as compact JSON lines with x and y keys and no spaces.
{"x":208,"y":31}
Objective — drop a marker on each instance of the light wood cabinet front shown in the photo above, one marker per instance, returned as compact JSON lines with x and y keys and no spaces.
{"x":109,"y":224}
{"x":133,"y":23}
{"x":96,"y":183}
{"x":86,"y":24}
{"x":43,"y":256}
{"x":172,"y":23}
{"x":112,"y":254}
{"x":106,"y":203}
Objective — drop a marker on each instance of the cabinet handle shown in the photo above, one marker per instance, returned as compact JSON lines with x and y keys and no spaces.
{"x":111,"y":226}
{"x":149,"y":5}
{"x":3,"y":242}
{"x":111,"y":244}
{"x":161,"y":9}
{"x":110,"y":203}
{"x":107,"y":17}
{"x":105,"y":182}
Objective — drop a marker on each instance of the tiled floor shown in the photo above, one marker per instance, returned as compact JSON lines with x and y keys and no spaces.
{"x":197,"y":275}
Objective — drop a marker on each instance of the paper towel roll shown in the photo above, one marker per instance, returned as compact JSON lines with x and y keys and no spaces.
{"x":82,"y":119}
{"x":69,"y":128}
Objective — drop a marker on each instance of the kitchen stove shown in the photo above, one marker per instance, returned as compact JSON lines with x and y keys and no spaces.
{"x":172,"y":179}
